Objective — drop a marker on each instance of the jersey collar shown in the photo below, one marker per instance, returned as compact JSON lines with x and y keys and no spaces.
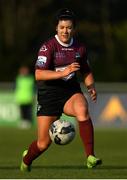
{"x":64,"y":44}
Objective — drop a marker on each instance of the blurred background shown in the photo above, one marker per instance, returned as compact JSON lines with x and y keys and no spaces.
{"x":102,"y":26}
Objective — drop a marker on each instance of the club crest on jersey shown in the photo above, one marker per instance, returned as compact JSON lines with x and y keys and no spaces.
{"x":77,"y":55}
{"x":43,"y":48}
{"x":41,"y":61}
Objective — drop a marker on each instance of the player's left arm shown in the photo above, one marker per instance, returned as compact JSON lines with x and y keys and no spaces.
{"x":88,"y":78}
{"x":90,"y":84}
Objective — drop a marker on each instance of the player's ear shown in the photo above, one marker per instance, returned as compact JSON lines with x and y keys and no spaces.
{"x":56,"y":28}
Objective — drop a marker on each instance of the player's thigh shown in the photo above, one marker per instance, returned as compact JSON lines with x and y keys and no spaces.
{"x":44,"y":123}
{"x":76,"y":106}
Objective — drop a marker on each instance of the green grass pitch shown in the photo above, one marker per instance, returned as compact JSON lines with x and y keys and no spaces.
{"x":64,"y":162}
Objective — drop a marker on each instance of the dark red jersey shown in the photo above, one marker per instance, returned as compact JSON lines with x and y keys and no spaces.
{"x":55,"y":55}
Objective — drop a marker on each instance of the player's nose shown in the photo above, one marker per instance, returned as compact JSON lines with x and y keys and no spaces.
{"x":65,"y":30}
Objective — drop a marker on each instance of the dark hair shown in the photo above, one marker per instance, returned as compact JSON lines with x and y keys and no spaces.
{"x":65,"y":14}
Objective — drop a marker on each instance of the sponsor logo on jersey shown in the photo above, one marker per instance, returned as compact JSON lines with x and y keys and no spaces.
{"x":67,"y":49}
{"x":41,"y":61}
{"x":43,"y":48}
{"x":62,"y":68}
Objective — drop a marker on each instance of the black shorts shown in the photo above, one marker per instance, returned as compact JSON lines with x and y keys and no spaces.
{"x":51,"y":103}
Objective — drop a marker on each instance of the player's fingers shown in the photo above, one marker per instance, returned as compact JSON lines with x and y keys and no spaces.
{"x":94,"y":98}
{"x":93,"y":94}
{"x":74,"y":69}
{"x":74,"y":66}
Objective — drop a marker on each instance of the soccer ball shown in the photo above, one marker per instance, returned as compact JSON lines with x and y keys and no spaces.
{"x":62,"y":132}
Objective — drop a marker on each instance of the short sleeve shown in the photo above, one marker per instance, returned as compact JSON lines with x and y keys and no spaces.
{"x":85,"y":68}
{"x":45,"y":57}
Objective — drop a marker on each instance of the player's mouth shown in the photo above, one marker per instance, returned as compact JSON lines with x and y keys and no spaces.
{"x":65,"y":37}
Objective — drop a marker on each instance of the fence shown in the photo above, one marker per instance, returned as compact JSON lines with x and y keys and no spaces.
{"x":110,"y":110}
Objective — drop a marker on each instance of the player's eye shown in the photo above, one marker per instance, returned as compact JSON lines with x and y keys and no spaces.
{"x":70,"y":27}
{"x":62,"y":27}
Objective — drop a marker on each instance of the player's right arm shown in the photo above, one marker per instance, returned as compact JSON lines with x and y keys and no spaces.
{"x":44,"y":67}
{"x":52,"y":75}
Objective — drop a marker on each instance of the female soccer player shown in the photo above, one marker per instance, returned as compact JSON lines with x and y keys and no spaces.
{"x":59,"y":60}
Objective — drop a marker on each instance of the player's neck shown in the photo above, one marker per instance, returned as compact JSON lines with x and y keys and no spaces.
{"x":64,"y":44}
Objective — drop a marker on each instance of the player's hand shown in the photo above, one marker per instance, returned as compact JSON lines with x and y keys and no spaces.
{"x":93,"y":94}
{"x":71,"y":68}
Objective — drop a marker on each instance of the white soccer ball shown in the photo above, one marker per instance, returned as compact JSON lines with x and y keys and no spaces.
{"x":62,"y":132}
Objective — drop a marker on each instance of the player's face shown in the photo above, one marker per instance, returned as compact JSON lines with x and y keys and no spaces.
{"x":65,"y":30}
